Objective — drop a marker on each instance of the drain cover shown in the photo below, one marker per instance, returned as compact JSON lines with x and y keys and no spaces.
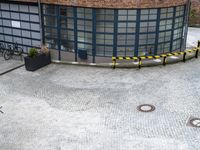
{"x":146,"y":108}
{"x":195,"y":122}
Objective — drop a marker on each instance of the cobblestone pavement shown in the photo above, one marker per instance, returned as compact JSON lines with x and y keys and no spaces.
{"x":63,"y":107}
{"x":193,"y":37}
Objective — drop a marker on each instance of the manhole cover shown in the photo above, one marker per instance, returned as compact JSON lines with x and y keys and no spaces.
{"x":146,"y":108}
{"x":195,"y":122}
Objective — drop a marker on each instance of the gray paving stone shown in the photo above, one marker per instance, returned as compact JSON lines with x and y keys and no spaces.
{"x":82,"y":108}
{"x":6,"y":65}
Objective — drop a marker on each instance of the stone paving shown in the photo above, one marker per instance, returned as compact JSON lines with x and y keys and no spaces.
{"x":193,"y":37}
{"x":63,"y":107}
{"x":6,"y":65}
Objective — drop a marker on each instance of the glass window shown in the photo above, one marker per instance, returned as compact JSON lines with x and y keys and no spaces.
{"x":166,"y":13}
{"x":49,"y":9}
{"x":132,"y":12}
{"x":148,"y":14}
{"x":105,"y":31}
{"x":165,"y":25}
{"x":66,"y":11}
{"x":84,"y":27}
{"x":126,"y":32}
{"x":50,"y":21}
{"x":147,"y":33}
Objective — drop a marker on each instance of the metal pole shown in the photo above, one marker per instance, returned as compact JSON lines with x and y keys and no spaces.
{"x":164,"y":60}
{"x":187,"y":21}
{"x":184,"y":56}
{"x":139,"y":62}
{"x":197,"y":53}
{"x":40,"y":16}
{"x":114,"y":63}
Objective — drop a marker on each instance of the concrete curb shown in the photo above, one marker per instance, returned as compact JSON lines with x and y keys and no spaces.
{"x":9,"y":70}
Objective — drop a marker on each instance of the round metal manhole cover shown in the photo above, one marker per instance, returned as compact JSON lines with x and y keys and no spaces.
{"x":195,"y":122}
{"x":146,"y":108}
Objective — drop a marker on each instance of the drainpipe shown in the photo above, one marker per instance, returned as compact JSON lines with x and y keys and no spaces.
{"x":187,"y":21}
{"x":40,"y":19}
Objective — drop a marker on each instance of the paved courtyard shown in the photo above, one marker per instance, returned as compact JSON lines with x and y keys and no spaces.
{"x":193,"y":37}
{"x":62,"y":107}
{"x":7,"y":65}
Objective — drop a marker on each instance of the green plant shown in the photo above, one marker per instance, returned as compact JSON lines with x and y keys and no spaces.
{"x":32,"y":52}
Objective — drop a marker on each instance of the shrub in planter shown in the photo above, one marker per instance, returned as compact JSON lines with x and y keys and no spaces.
{"x":37,"y":59}
{"x":32,"y":53}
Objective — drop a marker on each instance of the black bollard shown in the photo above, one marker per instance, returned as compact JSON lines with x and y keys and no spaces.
{"x":140,"y":62}
{"x":197,"y":53}
{"x":198,"y":44}
{"x":184,"y":56}
{"x":164,"y":60}
{"x":114,"y":63}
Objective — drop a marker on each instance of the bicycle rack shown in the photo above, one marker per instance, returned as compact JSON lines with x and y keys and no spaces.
{"x":9,"y":50}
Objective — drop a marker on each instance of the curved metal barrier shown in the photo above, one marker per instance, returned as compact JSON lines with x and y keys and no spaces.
{"x":164,"y":56}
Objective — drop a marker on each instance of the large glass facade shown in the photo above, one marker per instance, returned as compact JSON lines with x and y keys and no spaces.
{"x":114,"y":32}
{"x":20,"y":24}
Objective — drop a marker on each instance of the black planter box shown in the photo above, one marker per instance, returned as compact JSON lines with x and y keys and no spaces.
{"x":32,"y":64}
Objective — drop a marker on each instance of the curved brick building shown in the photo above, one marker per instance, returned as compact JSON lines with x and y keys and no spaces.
{"x":93,"y":30}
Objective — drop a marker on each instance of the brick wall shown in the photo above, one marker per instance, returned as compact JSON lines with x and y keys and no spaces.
{"x":115,"y":3}
{"x":195,"y":13}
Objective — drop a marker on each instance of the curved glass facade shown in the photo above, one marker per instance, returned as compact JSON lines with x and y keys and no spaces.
{"x":114,"y":32}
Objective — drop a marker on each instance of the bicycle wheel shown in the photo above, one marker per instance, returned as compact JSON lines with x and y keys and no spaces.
{"x":20,"y":51}
{"x":7,"y":55}
{"x":1,"y":51}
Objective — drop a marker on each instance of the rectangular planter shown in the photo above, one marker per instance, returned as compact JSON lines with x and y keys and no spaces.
{"x":32,"y":64}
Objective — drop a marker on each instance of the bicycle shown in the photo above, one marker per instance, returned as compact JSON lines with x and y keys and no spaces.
{"x":2,"y":48}
{"x":12,"y":50}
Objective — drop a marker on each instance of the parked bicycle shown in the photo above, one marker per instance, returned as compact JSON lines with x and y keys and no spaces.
{"x":12,"y":50}
{"x":2,"y":48}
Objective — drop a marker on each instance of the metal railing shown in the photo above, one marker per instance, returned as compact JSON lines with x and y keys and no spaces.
{"x":163,"y":56}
